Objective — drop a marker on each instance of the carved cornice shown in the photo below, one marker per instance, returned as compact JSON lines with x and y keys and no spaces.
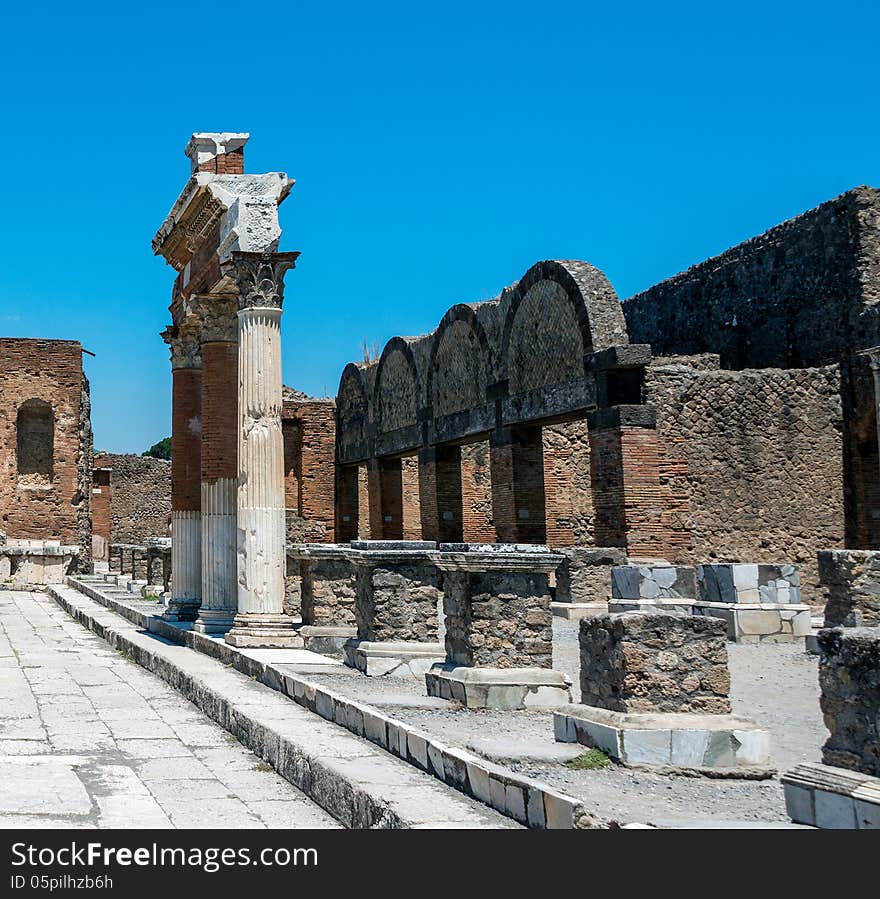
{"x":217,"y":317}
{"x":260,"y":278}
{"x":183,"y":341}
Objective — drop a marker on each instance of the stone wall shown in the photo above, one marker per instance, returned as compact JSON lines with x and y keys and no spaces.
{"x":752,"y":465}
{"x":849,"y":675}
{"x":851,"y":583}
{"x":650,"y":662}
{"x":139,"y":497}
{"x":804,"y":294}
{"x":44,"y":477}
{"x":397,"y":602}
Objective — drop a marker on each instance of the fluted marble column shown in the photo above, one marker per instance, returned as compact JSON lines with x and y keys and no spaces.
{"x":260,"y":621}
{"x":219,"y":342}
{"x":186,"y":401}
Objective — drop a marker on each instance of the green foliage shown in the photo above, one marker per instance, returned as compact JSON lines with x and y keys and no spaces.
{"x":160,"y":450}
{"x":589,"y":761}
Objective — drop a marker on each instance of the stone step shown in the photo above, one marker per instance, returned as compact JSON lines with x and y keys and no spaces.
{"x":354,"y":780}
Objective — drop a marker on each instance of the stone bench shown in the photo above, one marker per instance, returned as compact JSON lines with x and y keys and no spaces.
{"x":499,"y":628}
{"x":655,"y":692}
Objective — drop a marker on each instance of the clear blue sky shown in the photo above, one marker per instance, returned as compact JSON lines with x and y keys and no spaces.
{"x":439,"y":150}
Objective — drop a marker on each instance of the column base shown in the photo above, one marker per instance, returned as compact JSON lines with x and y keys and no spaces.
{"x":263,"y":630}
{"x":832,"y":798}
{"x":393,"y":659}
{"x":214,"y":621}
{"x":182,"y":610}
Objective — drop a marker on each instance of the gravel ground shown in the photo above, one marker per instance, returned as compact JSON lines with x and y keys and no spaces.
{"x":776,"y":684}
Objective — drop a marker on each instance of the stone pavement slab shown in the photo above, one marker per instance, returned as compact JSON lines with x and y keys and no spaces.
{"x":88,"y":739}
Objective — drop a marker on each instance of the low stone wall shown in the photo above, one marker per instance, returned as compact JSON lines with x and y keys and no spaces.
{"x":851,"y":581}
{"x":654,"y":662}
{"x":849,"y":676}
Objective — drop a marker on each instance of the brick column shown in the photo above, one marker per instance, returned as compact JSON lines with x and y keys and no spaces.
{"x":517,"y":466}
{"x":219,"y":344}
{"x":440,"y":493}
{"x":186,"y":539}
{"x":346,"y":503}
{"x":625,"y":475}
{"x":390,"y":504}
{"x":261,"y":621}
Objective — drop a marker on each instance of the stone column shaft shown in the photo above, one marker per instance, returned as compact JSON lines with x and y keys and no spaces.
{"x":260,"y":499}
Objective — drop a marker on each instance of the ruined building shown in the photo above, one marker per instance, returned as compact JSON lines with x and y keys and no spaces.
{"x":46,"y":443}
{"x":725,"y":414}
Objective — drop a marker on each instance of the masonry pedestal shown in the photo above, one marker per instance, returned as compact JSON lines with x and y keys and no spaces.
{"x":582,"y":580}
{"x":843,"y":791}
{"x":499,"y":634}
{"x":328,"y":584}
{"x":396,"y":608}
{"x":655,"y":692}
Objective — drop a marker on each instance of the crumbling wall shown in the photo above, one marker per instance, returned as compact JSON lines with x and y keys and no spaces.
{"x":48,"y":504}
{"x":753,"y":463}
{"x":140,"y":496}
{"x":803,"y":294}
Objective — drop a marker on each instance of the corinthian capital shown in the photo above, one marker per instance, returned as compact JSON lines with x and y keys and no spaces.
{"x":183,"y":341}
{"x":260,"y":278}
{"x":217,"y":317}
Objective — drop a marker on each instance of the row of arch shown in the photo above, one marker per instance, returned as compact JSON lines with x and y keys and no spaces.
{"x":536,"y":334}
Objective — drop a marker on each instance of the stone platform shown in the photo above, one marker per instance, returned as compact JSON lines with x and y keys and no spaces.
{"x":392,"y":659}
{"x":668,"y":739}
{"x":499,"y":688}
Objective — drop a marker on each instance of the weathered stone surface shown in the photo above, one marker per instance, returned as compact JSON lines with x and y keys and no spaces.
{"x":585,"y":572}
{"x":397,"y":601}
{"x":849,"y":675}
{"x":851,"y":581}
{"x":749,"y":583}
{"x":654,"y":662}
{"x":498,"y":619}
{"x":329,"y":587}
{"x":652,"y":582}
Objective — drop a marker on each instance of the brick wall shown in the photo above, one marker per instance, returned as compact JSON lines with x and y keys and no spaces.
{"x":309,"y":427}
{"x":137,"y":501}
{"x":51,"y":502}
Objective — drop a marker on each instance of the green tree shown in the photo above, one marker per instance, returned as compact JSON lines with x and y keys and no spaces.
{"x":160,"y":450}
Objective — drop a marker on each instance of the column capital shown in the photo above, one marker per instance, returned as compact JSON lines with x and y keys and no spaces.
{"x":260,"y":278}
{"x":183,"y":341}
{"x":873,"y":354}
{"x":217,"y":317}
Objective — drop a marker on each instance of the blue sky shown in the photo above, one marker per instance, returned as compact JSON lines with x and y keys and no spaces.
{"x":438,"y":150}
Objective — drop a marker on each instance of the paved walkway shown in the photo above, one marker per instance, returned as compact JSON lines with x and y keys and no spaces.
{"x":90,"y":739}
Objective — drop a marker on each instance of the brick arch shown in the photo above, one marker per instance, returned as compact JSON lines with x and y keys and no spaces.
{"x":396,"y":392}
{"x":461,"y":363}
{"x":559,"y":312}
{"x":352,"y":406}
